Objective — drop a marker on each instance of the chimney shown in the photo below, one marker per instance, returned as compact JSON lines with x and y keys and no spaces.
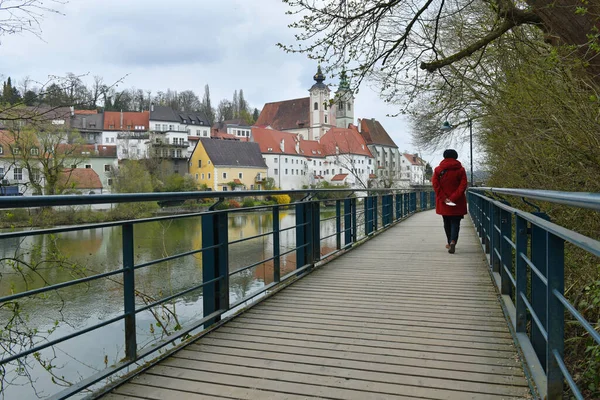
{"x":83,"y":124}
{"x":121,"y":119}
{"x":96,"y":148}
{"x":297,"y":146}
{"x":72,"y":111}
{"x":282,"y":145}
{"x":152,"y":107}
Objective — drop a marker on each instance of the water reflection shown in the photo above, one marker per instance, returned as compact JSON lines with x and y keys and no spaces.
{"x":100,"y":250}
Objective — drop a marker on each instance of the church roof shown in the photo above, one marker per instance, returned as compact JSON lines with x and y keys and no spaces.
{"x":285,"y":115}
{"x":374,"y":133}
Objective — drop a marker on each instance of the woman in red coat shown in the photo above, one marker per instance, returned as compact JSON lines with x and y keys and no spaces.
{"x":450,"y":182}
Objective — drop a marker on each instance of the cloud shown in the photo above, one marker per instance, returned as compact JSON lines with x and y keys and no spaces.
{"x":183,"y":44}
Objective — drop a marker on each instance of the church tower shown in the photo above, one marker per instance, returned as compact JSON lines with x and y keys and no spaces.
{"x":344,"y":102}
{"x":320,"y":115}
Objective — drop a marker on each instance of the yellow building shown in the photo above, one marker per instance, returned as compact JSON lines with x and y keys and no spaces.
{"x":223,"y":164}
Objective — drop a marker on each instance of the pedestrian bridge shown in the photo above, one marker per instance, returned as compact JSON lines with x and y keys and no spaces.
{"x":386,"y":313}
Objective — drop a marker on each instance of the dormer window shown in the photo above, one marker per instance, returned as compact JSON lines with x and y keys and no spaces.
{"x":1,"y":149}
{"x":34,"y":151}
{"x":16,"y":150}
{"x":270,"y":149}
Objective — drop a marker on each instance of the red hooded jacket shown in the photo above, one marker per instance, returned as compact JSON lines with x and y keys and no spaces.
{"x":450,"y":185}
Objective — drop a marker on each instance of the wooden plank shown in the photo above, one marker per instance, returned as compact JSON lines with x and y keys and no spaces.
{"x":393,"y":319}
{"x":337,"y":359}
{"x":326,"y":387}
{"x":240,"y":338}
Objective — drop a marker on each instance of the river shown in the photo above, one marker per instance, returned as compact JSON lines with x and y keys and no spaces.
{"x":74,"y":254}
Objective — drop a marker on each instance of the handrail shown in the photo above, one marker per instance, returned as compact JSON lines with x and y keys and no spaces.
{"x":537,"y":257}
{"x":71,"y":200}
{"x":576,"y":199}
{"x":382,"y":208}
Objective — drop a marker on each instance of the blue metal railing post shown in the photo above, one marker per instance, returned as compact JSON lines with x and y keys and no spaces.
{"x":315,"y":216}
{"x":506,"y":252}
{"x":348,"y":227}
{"x":368,"y":215}
{"x":276,"y":246}
{"x":494,"y":235}
{"x":375,"y":211}
{"x":538,"y":291}
{"x":414,"y":202}
{"x":521,"y":274}
{"x":302,"y":235}
{"x":432,"y":199}
{"x":354,"y":223}
{"x":555,"y":314}
{"x":215,"y":264}
{"x":398,"y":198}
{"x":129,"y":292}
{"x":338,"y":224}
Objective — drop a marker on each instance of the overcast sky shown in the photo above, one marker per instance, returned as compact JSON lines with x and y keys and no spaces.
{"x":183,"y":44}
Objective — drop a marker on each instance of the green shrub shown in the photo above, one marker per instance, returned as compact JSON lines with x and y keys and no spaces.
{"x":248,"y":202}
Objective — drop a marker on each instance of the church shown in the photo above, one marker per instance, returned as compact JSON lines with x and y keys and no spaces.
{"x":311,"y":117}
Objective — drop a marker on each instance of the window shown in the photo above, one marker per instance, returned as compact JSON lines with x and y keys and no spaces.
{"x":16,"y":150}
{"x":208,"y":162}
{"x":286,"y":171}
{"x":340,"y":170}
{"x":196,"y":176}
{"x":73,"y":166}
{"x":170,"y":127}
{"x":296,"y":172}
{"x":348,"y":106}
{"x":276,"y":171}
{"x":18,"y":174}
{"x":157,"y":127}
{"x":224,"y":175}
{"x":112,"y":139}
{"x":258,"y":187}
{"x":316,"y":105}
{"x":209,"y":175}
{"x":240,"y":175}
{"x":369,"y":161}
{"x":110,"y":181}
{"x":286,"y":160}
{"x":292,"y":171}
{"x":199,"y":163}
{"x":35,"y":175}
{"x":202,"y":175}
{"x":88,"y":166}
{"x":1,"y":172}
{"x":326,"y":119}
{"x":129,"y":127}
{"x":106,"y":168}
{"x":205,"y":133}
{"x":111,"y":127}
{"x":224,"y":188}
{"x":275,"y":159}
{"x":34,"y":151}
{"x":314,"y":163}
{"x":251,"y":187}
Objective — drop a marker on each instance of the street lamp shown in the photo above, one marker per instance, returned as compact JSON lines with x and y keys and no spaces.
{"x":446,"y":127}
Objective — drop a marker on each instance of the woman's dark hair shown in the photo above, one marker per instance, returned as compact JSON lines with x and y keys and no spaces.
{"x":450,"y":153}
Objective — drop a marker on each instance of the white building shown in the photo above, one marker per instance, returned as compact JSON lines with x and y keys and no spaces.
{"x":176,"y":132}
{"x":413,"y":169}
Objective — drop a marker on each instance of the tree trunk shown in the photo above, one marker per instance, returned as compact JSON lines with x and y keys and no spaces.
{"x":565,"y":26}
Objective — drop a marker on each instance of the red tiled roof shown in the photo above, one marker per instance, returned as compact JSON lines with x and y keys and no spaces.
{"x":312,"y":148}
{"x":349,"y":141}
{"x":130,"y":119}
{"x":80,"y":178}
{"x":86,"y":112}
{"x":414,"y":159}
{"x":237,"y":181}
{"x":193,"y":137}
{"x":339,"y":177}
{"x":374,"y":133}
{"x":27,"y":140}
{"x":285,"y":115}
{"x":223,"y":135}
{"x":271,"y":139}
{"x":372,"y":176}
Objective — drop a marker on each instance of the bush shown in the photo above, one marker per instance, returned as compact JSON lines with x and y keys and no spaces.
{"x":248,"y":202}
{"x":282,"y":198}
{"x":234,"y":204}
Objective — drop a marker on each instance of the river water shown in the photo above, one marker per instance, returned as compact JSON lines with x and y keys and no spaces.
{"x":63,"y":257}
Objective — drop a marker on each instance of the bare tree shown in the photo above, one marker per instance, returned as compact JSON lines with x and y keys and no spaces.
{"x":18,"y":16}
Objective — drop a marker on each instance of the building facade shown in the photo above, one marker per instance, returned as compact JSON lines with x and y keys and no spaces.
{"x":223,"y":165}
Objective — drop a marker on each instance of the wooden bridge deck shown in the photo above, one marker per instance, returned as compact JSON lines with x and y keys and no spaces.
{"x":396,"y":318}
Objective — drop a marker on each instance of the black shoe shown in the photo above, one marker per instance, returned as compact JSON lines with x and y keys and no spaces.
{"x":452,"y":248}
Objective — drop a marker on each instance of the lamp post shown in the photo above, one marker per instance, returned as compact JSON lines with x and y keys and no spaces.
{"x":446,"y":127}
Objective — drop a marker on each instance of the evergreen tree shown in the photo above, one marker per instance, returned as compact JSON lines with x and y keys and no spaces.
{"x":206,"y":107}
{"x":242,"y":103}
{"x":29,"y":98}
{"x":10,"y":94}
{"x":255,"y":115}
{"x":236,"y":104}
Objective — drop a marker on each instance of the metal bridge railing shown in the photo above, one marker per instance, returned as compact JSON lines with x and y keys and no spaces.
{"x":382,"y":208}
{"x":527,"y":258}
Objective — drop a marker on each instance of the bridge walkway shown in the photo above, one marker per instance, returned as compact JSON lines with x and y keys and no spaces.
{"x":396,"y":318}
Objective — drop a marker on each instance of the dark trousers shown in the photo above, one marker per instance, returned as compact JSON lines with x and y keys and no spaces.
{"x":452,"y":227}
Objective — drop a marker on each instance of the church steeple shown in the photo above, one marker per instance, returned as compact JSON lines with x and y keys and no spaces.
{"x":320,"y":114}
{"x":319,"y":77}
{"x":344,"y":102}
